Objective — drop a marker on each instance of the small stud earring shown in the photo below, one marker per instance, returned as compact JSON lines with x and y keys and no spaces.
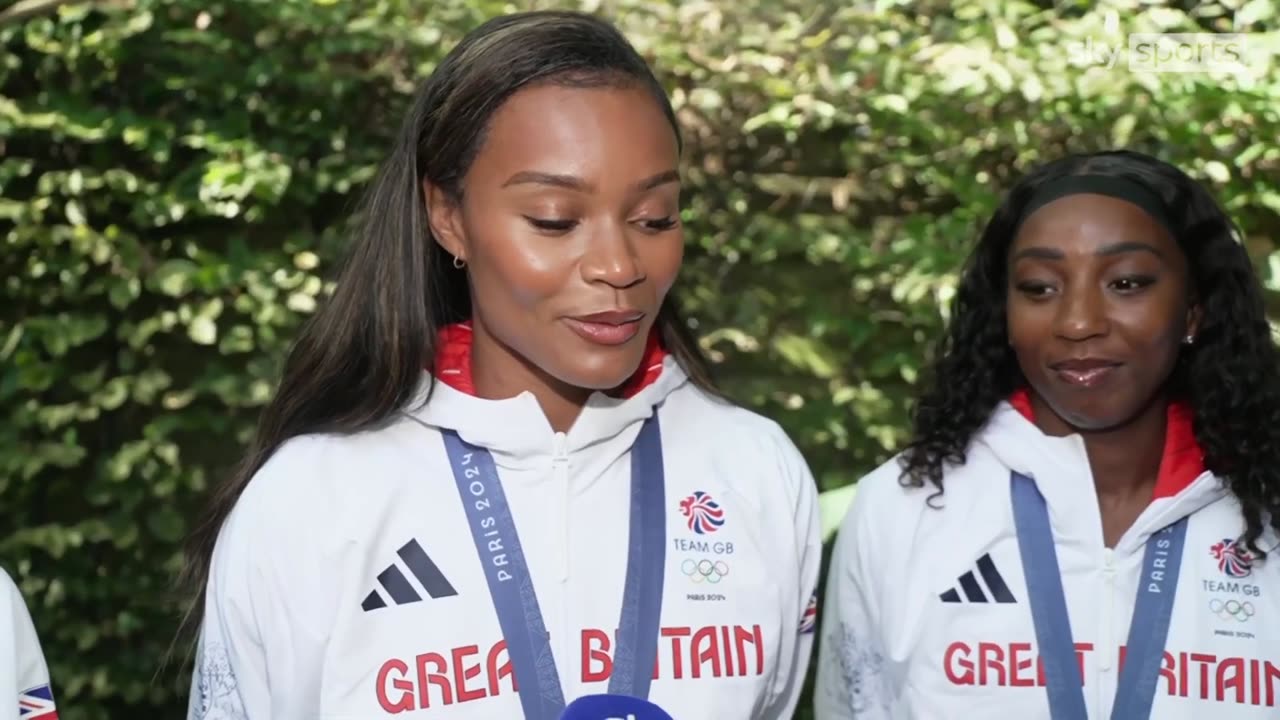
{"x":458,"y":262}
{"x":1188,"y":340}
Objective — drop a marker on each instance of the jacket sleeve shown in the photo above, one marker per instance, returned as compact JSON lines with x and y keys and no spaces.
{"x":25,"y":675}
{"x":259,"y":654}
{"x":850,"y":681}
{"x":808,"y":543}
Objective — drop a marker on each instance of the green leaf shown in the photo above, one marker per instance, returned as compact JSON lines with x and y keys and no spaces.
{"x":166,"y":524}
{"x":174,"y":277}
{"x":203,"y":330}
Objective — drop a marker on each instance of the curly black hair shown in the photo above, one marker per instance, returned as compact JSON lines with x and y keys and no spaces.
{"x":1230,"y":377}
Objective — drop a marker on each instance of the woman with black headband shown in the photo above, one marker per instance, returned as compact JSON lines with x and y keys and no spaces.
{"x":1084,"y":523}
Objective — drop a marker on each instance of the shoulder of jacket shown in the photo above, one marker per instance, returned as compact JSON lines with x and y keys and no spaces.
{"x":886,"y":509}
{"x":727,"y":425}
{"x":1224,"y":515}
{"x":9,"y":592}
{"x":306,"y":459}
{"x":751,"y":440}
{"x":981,"y":471}
{"x":15,"y":616}
{"x":691,"y":406}
{"x":310,"y":478}
{"x":882,"y":489}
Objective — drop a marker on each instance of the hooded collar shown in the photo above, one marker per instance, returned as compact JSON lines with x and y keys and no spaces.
{"x":516,"y":431}
{"x":1060,"y":468}
{"x":1182,"y":460}
{"x":453,"y":361}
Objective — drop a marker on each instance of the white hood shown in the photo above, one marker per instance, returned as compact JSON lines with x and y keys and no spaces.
{"x":516,"y":431}
{"x":1069,"y":488}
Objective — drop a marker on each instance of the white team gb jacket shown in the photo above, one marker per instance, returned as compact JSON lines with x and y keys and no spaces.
{"x":346,"y":585}
{"x":927,"y":614}
{"x":24,"y":676}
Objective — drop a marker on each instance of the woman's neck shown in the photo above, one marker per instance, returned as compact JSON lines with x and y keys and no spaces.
{"x":1125,"y":462}
{"x":498,"y":372}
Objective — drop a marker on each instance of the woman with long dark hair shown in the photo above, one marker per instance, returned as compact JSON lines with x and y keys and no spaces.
{"x":496,"y":475}
{"x":1084,"y":523}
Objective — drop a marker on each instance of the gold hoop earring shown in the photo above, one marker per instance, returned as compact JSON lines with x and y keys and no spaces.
{"x":458,"y":262}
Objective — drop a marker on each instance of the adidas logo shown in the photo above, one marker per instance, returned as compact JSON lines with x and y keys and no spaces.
{"x":997,"y":590}
{"x":400,"y":589}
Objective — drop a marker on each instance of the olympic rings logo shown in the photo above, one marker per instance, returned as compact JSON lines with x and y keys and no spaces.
{"x":704,"y":570}
{"x":1240,"y":611}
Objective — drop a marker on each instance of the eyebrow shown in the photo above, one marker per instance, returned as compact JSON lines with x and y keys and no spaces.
{"x":1120,"y":248}
{"x":573,"y":182}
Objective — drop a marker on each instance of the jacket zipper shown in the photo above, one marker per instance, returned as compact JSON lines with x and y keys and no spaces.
{"x":1107,"y":650}
{"x":560,"y":474}
{"x":559,"y":498}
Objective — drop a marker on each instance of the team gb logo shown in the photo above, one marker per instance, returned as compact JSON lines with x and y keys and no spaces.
{"x":1234,"y":560}
{"x":704,"y":514}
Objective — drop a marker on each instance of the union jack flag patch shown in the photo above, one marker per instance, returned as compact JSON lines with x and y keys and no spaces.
{"x":37,"y":704}
{"x":810,"y":617}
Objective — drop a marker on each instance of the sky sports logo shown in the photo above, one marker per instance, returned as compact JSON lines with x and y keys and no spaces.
{"x":1171,"y":53}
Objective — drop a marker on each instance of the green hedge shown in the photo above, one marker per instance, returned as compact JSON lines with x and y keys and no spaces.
{"x":174,"y":177}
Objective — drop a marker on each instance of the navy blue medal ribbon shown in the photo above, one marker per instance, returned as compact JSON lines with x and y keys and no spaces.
{"x":511,"y":586}
{"x":1148,"y":631}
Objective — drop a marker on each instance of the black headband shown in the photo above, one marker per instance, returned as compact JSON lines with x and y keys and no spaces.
{"x":1109,"y":185}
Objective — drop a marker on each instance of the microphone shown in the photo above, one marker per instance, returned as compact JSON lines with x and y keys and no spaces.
{"x":613,"y":707}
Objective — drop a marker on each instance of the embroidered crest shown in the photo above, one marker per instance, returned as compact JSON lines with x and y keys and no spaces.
{"x":216,"y":691}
